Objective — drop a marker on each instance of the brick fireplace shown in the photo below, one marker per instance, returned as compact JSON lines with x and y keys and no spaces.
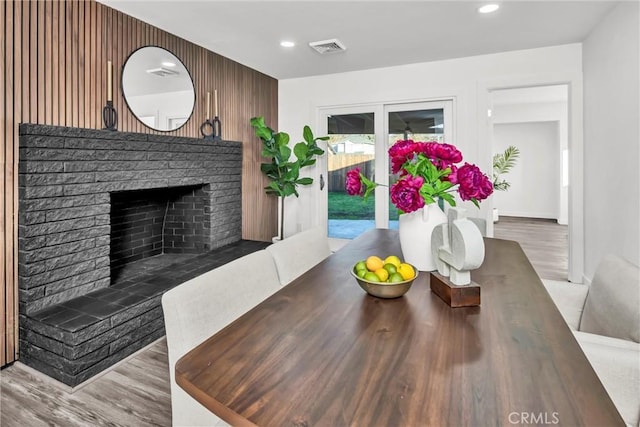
{"x":92,"y":204}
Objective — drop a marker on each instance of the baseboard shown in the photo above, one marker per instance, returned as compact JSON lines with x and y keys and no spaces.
{"x":527,"y":214}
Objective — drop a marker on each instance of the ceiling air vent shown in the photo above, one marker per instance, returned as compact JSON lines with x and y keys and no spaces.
{"x":162,"y":72}
{"x":328,"y":46}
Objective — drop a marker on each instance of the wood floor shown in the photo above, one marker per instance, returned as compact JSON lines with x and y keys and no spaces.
{"x":545,"y":242}
{"x":136,"y":393}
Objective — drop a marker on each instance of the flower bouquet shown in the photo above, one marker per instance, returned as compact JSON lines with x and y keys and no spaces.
{"x":428,"y":172}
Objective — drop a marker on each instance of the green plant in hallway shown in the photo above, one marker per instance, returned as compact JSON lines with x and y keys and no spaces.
{"x":502,"y":164}
{"x":284,"y":170}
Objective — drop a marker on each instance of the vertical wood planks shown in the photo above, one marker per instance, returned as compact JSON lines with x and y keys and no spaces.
{"x":53,"y":71}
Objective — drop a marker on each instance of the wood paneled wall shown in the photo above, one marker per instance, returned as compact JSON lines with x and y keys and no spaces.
{"x":53,"y":71}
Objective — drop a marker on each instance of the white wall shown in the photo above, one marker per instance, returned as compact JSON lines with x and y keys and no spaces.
{"x":550,"y":112}
{"x":299,"y":100}
{"x":612,"y":137}
{"x":535,"y":180}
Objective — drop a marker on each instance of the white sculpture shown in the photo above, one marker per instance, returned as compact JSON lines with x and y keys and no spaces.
{"x":457,"y":247}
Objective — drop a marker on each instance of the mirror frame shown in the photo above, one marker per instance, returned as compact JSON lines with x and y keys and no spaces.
{"x":124,"y":96}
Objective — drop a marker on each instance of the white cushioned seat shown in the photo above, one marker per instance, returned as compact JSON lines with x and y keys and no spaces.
{"x":200,"y":307}
{"x":299,"y":253}
{"x":605,"y":317}
{"x":617,"y":364}
{"x":569,"y":298}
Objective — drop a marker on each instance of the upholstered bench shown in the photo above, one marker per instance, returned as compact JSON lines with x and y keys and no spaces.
{"x":605,"y":318}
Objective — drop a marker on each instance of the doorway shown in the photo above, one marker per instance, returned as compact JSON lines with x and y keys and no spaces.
{"x":534,"y":120}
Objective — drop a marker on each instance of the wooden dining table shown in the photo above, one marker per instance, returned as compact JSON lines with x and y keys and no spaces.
{"x":322,"y":352}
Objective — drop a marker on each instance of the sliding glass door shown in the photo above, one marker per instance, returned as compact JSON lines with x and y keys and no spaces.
{"x":360,"y":137}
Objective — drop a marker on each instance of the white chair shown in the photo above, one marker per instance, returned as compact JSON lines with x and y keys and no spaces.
{"x":299,"y":253}
{"x":200,"y":307}
{"x":605,"y":317}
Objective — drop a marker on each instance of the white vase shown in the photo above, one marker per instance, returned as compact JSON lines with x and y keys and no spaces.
{"x":415,"y":235}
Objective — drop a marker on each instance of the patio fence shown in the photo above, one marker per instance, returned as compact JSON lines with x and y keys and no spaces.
{"x":340,"y":164}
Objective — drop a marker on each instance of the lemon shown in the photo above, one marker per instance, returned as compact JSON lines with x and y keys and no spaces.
{"x":382,"y":274}
{"x":392,"y":259}
{"x":374,"y":263}
{"x":371,"y":277}
{"x":406,"y":271}
{"x":390,"y":268}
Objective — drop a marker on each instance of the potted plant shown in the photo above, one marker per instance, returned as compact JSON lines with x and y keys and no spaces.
{"x":502,"y":164}
{"x":283,"y":170}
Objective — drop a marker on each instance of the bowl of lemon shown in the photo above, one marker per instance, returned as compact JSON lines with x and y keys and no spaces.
{"x":384,"y":278}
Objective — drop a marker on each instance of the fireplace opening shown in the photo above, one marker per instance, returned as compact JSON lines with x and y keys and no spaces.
{"x":149,"y":223}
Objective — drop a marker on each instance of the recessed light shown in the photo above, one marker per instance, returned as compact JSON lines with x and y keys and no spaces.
{"x":169,"y":64}
{"x":488,"y":8}
{"x":286,"y":43}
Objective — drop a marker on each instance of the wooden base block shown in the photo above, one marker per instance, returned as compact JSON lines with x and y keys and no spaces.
{"x":455,"y":296}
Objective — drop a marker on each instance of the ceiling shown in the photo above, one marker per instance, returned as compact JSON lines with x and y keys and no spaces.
{"x":375,"y":33}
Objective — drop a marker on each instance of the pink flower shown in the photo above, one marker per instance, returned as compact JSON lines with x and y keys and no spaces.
{"x":473,"y":183}
{"x":442,"y":155}
{"x":353,"y":184}
{"x":453,"y":176}
{"x":405,"y":193}
{"x":402,"y":151}
{"x":424,"y":165}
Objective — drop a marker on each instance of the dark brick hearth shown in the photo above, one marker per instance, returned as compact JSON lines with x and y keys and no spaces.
{"x":76,"y":316}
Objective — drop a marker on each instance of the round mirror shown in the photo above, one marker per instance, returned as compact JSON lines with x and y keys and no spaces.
{"x":158,"y":88}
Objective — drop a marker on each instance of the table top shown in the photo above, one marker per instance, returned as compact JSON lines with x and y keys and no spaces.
{"x":323,"y":352}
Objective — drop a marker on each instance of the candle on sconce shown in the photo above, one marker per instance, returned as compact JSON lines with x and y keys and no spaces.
{"x":109,"y":81}
{"x":208,"y":105}
{"x":215,"y":95}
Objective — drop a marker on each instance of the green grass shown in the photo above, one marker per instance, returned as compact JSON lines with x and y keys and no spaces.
{"x":343,"y":206}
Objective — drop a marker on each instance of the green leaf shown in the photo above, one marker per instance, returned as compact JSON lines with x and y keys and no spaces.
{"x":257,"y":121}
{"x":274,"y":188}
{"x":267,"y":152}
{"x":300,"y":150}
{"x":367,"y":193}
{"x":292,"y":172}
{"x":502,"y":164}
{"x":285,"y":152}
{"x":281,"y":138}
{"x":307,"y":134}
{"x":448,"y":198}
{"x":305,"y":181}
{"x":316,"y":151}
{"x":288,"y":189}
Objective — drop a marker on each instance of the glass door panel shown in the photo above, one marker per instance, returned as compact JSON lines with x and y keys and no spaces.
{"x":418,"y":122}
{"x":351,"y":145}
